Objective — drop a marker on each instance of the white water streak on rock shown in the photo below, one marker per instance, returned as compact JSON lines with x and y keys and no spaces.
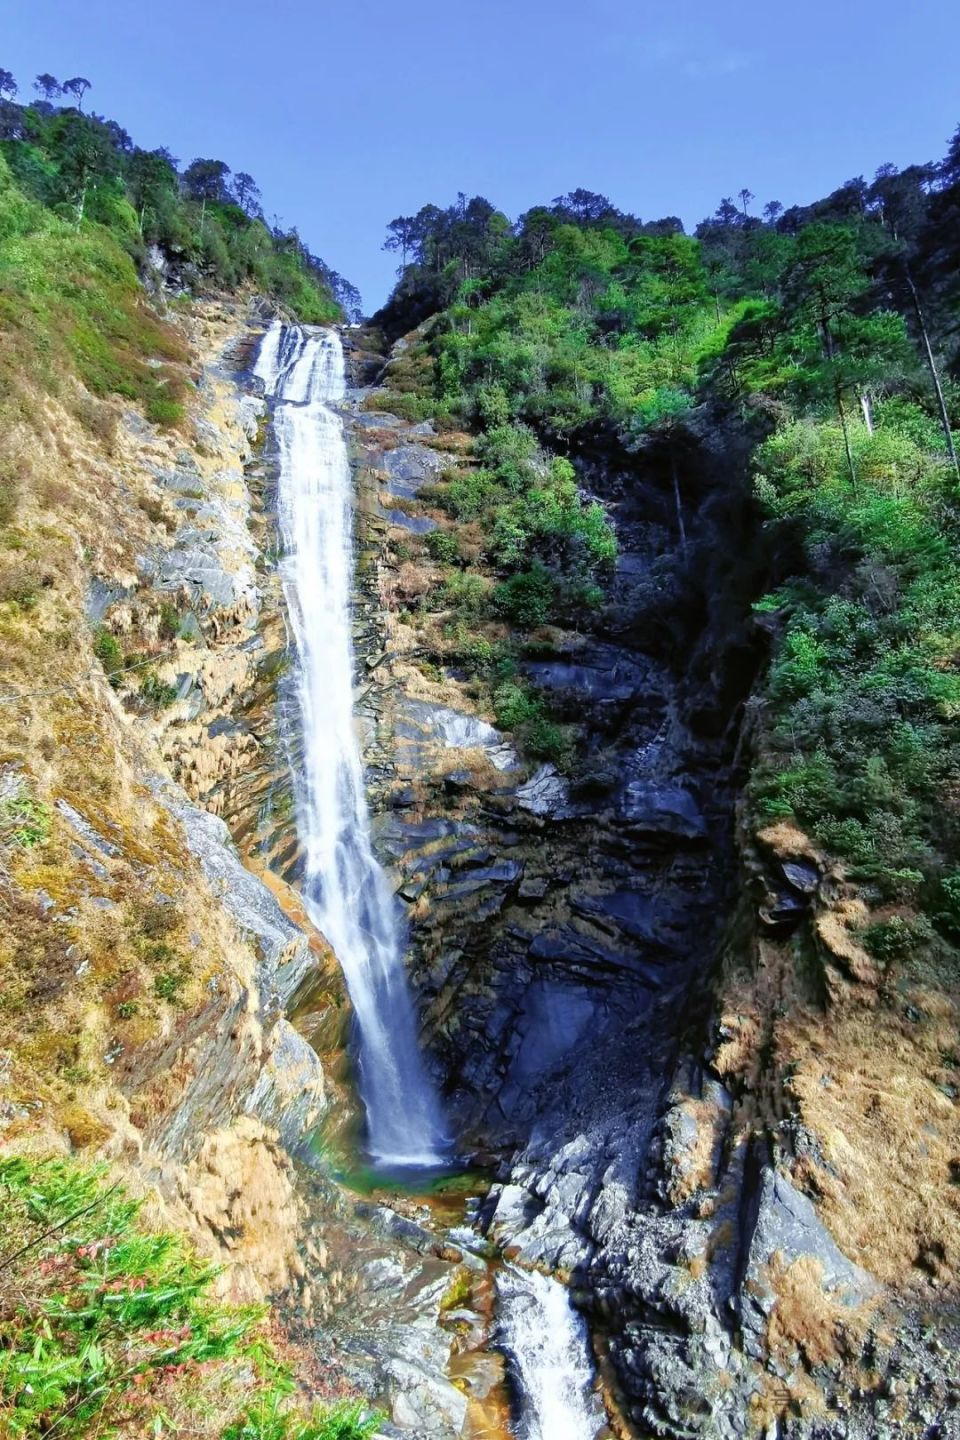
{"x":344,"y":888}
{"x":546,"y":1342}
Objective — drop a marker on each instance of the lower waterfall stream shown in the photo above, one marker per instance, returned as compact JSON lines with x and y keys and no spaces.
{"x":346,"y":893}
{"x":549,"y":1355}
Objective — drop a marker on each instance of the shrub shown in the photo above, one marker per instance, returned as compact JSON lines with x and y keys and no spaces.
{"x":948,"y":913}
{"x":513,"y":704}
{"x":24,"y":822}
{"x":467,"y":594}
{"x":896,"y":938}
{"x":511,"y":452}
{"x":20,"y":582}
{"x":546,"y":740}
{"x":106,"y":647}
{"x":522,"y":710}
{"x":156,"y":692}
{"x":527,"y":598}
{"x":493,"y":405}
{"x":475,"y":652}
{"x":443,"y":546}
{"x":112,"y":1328}
{"x":393,"y":402}
{"x":169,"y":626}
{"x":164,"y":410}
{"x":168,"y":984}
{"x":469,"y":494}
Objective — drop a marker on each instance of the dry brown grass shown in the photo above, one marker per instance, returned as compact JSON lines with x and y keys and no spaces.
{"x":870,"y":1084}
{"x":697,"y":1167}
{"x":808,"y":1321}
{"x":80,"y":958}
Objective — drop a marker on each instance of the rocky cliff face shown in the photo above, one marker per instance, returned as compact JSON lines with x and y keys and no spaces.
{"x":159,"y":948}
{"x":623,"y":994}
{"x":568,"y":943}
{"x":152,"y":970}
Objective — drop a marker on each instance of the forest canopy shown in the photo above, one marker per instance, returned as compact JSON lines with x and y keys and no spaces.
{"x":821,"y":341}
{"x":204,"y":220}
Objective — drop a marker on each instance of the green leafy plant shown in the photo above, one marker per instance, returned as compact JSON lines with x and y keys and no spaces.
{"x":107,"y":1325}
{"x":156,"y":692}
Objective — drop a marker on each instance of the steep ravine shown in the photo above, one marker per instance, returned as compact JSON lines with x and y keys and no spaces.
{"x":183,"y":945}
{"x":570,"y":943}
{"x":566,"y":935}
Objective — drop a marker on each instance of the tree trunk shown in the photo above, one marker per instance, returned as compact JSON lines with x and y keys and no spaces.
{"x":81,"y":205}
{"x":866,"y":405}
{"x":676,"y":500}
{"x":932,"y":367}
{"x":846,"y":439}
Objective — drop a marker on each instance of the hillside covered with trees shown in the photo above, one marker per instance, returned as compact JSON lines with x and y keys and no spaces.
{"x":84,"y":211}
{"x":822,"y":342}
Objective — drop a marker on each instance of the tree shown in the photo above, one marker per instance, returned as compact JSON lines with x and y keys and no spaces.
{"x":669,"y":286}
{"x":745,"y":196}
{"x":772,"y":211}
{"x":839,"y":351}
{"x":585,"y":207}
{"x":86,"y":156}
{"x":78,"y":86}
{"x":151,"y":179}
{"x":48,"y":87}
{"x":535,"y":231}
{"x":8,"y":86}
{"x":346,"y":295}
{"x":902,"y":199}
{"x":727,"y":212}
{"x":402,"y":234}
{"x":207,"y":180}
{"x":247,"y":192}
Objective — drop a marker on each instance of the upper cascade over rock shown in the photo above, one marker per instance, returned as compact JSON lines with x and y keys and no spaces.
{"x":344,"y":888}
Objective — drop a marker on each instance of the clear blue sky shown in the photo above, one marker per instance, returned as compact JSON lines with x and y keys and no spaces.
{"x":350,"y":114}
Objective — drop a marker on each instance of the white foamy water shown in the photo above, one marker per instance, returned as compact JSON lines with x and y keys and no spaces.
{"x":345,"y":891}
{"x":549,"y":1359}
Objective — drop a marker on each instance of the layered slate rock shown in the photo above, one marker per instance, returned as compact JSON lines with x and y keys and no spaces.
{"x":565,"y":933}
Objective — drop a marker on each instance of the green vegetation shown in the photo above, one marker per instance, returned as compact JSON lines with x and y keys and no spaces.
{"x":548,"y":543}
{"x":519,"y":708}
{"x":84,"y":211}
{"x":107,"y":649}
{"x":24,"y":822}
{"x":105,"y":1326}
{"x":157,"y":693}
{"x":823,"y":341}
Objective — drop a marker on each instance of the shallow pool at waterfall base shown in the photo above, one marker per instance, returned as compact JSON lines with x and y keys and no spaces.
{"x":345,"y":1160}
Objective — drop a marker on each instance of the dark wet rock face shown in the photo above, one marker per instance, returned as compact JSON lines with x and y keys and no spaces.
{"x":565,"y":930}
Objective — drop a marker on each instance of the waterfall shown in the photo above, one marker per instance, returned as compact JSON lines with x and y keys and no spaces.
{"x":344,"y":889}
{"x":548,"y":1354}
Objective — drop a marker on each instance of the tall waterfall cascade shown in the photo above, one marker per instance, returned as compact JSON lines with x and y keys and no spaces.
{"x":345,"y":891}
{"x":549,"y":1356}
